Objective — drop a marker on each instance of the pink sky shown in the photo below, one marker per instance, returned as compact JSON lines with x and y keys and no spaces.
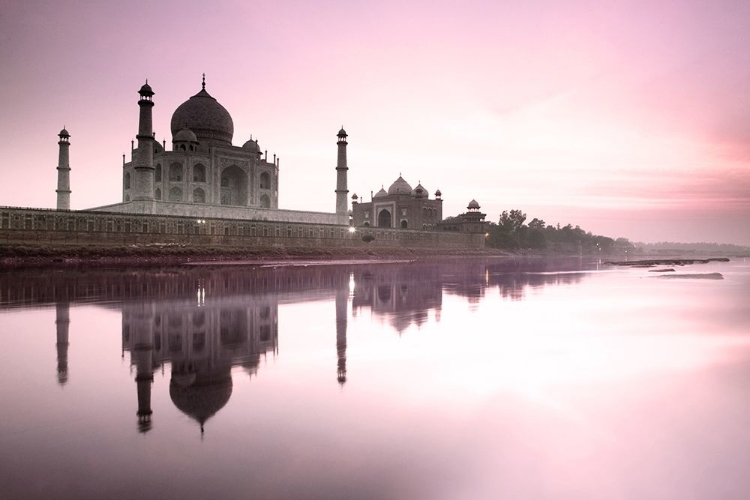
{"x":626,"y":118}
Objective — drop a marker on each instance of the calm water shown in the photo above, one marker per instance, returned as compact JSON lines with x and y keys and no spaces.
{"x":453,"y":380}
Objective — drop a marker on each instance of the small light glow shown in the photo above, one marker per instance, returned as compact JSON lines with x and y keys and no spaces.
{"x":351,"y":229}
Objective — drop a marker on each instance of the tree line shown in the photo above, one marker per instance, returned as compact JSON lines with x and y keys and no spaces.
{"x":513,"y":233}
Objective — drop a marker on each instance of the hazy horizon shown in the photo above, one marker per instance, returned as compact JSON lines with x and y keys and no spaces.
{"x":627,"y":119}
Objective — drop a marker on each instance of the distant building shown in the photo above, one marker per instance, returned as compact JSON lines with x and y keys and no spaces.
{"x":471,"y":221}
{"x":399,"y":207}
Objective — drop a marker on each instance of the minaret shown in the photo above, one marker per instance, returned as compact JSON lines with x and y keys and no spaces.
{"x":62,"y":324}
{"x":63,"y":171}
{"x":341,"y":185}
{"x":144,"y":164}
{"x":341,"y":303}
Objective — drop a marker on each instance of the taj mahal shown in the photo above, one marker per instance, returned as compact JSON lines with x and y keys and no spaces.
{"x":205,"y":175}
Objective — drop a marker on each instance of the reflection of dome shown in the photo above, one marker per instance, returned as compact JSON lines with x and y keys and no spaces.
{"x":201,"y":400}
{"x":206,"y":117}
{"x":185,"y":135}
{"x":380,"y":193}
{"x":400,"y":186}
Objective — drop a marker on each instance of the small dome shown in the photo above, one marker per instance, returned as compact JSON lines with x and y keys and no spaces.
{"x":380,"y":193}
{"x":420,"y":191}
{"x":64,"y":133}
{"x":473,"y":205}
{"x":252,"y":145}
{"x":438,"y":193}
{"x":146,"y":90}
{"x":185,"y":135}
{"x":206,"y":117}
{"x":354,"y":196}
{"x":342,"y":132}
{"x":400,"y":186}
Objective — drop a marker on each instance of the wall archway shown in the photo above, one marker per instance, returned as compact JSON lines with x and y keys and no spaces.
{"x":175,"y":172}
{"x":233,"y":186}
{"x":175,"y":194}
{"x":127,"y":180}
{"x":265,"y":181}
{"x":199,"y":173}
{"x":199,"y":196}
{"x":385,"y":219}
{"x":157,"y":194}
{"x":265,"y":201}
{"x":404,"y":224}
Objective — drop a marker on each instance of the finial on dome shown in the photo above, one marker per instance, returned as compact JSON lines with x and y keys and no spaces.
{"x":203,"y":84}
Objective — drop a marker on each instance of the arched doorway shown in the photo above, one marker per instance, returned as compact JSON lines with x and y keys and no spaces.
{"x":384,"y":218}
{"x":404,"y":224}
{"x":265,"y":201}
{"x":233,"y":186}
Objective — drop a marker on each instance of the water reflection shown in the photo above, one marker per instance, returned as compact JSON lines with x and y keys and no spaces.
{"x":446,"y":380}
{"x":202,"y":322}
{"x":202,"y":342}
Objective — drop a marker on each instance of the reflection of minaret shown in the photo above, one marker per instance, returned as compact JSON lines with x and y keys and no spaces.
{"x":62,"y":321}
{"x":143,"y":358}
{"x":342,"y":295}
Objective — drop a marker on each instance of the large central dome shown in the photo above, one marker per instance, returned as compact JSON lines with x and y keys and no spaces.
{"x":208,"y":119}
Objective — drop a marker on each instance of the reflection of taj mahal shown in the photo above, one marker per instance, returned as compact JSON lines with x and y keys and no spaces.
{"x":167,"y":318}
{"x":202,"y":343}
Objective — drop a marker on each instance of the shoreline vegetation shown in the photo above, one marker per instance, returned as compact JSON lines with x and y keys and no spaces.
{"x":14,"y":256}
{"x":511,"y":237}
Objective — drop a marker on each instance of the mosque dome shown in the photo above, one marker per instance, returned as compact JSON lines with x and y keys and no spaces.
{"x":208,"y":119}
{"x":380,"y":193}
{"x":420,"y":191}
{"x":400,"y":186}
{"x":252,"y":146}
{"x":473,"y":205}
{"x":185,"y":135}
{"x":200,"y":400}
{"x":438,"y":193}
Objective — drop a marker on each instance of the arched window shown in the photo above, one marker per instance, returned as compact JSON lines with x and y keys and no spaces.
{"x":233,"y":186}
{"x":265,"y":201}
{"x":175,"y":194}
{"x":175,"y":172}
{"x":199,"y":196}
{"x":182,"y":147}
{"x":199,"y":173}
{"x":384,"y":218}
{"x":265,"y":181}
{"x":366,"y":224}
{"x":127,"y":197}
{"x":157,"y":194}
{"x":127,"y":180}
{"x":404,"y":224}
{"x":157,"y":173}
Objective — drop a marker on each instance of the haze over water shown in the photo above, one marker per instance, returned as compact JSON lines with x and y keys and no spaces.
{"x":442,"y":380}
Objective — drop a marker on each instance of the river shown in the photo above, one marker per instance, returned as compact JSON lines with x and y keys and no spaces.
{"x":444,"y":379}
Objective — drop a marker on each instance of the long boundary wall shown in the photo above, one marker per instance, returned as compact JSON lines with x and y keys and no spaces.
{"x":33,"y":226}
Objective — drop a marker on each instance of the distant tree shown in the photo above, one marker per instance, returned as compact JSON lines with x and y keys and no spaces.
{"x":536,"y":223}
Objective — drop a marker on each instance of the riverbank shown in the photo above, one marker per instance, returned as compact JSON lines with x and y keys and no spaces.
{"x":145,"y":255}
